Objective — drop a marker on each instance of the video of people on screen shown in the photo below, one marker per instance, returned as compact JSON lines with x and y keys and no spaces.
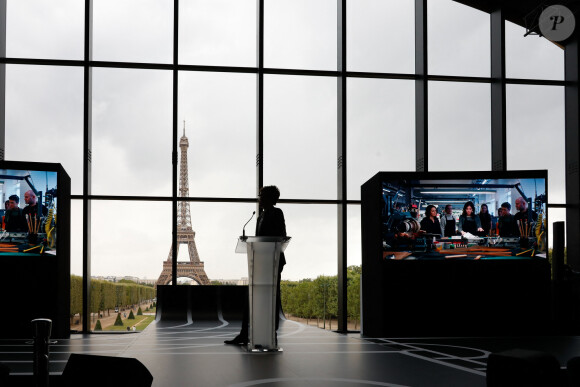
{"x":465,"y":219}
{"x":29,"y":215}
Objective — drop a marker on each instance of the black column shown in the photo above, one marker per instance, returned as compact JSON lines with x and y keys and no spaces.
{"x":498,"y":102}
{"x":260,"y":101}
{"x":174,"y":156}
{"x":572,"y":146}
{"x":341,"y":166}
{"x":2,"y":78}
{"x":87,"y":163}
{"x":421,"y":100}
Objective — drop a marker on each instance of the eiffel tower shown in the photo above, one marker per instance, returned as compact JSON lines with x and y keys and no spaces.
{"x":185,"y":234}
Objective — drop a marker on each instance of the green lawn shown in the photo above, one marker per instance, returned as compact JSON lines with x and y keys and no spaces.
{"x":141,"y":323}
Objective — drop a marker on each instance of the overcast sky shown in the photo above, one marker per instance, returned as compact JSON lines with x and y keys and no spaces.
{"x":132,"y":116}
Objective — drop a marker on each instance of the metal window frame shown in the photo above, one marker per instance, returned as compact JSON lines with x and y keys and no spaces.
{"x":421,"y":76}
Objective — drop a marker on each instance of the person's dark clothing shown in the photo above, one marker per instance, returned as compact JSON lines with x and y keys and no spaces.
{"x":507,"y":226}
{"x":431,"y":227}
{"x":485,"y":219}
{"x":15,"y":221}
{"x":271,"y":223}
{"x":469,"y":224}
{"x":34,"y":210}
{"x":524,"y":216}
{"x":448,"y":225}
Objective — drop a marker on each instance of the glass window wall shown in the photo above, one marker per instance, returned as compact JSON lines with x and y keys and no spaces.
{"x":133,"y":113}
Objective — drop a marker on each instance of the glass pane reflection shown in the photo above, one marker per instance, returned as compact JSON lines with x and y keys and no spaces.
{"x":380,"y":131}
{"x":222,"y":147}
{"x":459,"y":39}
{"x":300,"y":34}
{"x":44,"y":117}
{"x":531,"y":57}
{"x":300,"y":136}
{"x":381,"y":36}
{"x":459,"y":126}
{"x":132,"y":132}
{"x":217,"y":32}
{"x":133,"y":30}
{"x":45,"y":29}
{"x":130,"y":241}
{"x":535,"y":133}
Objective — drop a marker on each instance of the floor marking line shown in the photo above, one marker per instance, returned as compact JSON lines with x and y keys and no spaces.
{"x":470,"y":370}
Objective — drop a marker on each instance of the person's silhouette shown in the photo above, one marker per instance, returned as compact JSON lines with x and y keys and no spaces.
{"x":270,"y":222}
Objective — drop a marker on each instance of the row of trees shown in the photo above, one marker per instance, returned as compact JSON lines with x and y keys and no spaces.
{"x":107,"y":295}
{"x":306,"y":298}
{"x":318,"y":298}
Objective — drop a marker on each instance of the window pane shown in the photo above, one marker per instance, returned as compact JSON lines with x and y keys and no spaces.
{"x":76,"y":238}
{"x":76,"y":264}
{"x":354,"y":246}
{"x":45,"y":29}
{"x":217,"y":228}
{"x":132,"y":132}
{"x":535,"y":133}
{"x":300,"y":34}
{"x":311,"y":252}
{"x":354,"y":258}
{"x":459,"y":126}
{"x":44,"y":117}
{"x":381,"y":129}
{"x":300,"y":136}
{"x":219,"y":111}
{"x":458,"y":39}
{"x":313,"y":249}
{"x":531,"y":57}
{"x":381,"y":36}
{"x":133,"y":30}
{"x":130,"y":238}
{"x":217,"y":32}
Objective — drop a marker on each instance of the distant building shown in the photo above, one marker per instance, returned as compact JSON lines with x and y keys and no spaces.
{"x":112,"y":278}
{"x":241,"y":281}
{"x":147,"y":281}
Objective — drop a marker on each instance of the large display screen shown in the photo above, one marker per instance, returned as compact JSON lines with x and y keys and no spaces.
{"x":457,"y":216}
{"x":29,"y":212}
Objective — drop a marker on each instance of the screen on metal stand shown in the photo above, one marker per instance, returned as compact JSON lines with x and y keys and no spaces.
{"x":457,"y":216}
{"x":29,"y":212}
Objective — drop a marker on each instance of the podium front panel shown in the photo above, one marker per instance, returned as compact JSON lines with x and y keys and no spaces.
{"x":263,"y":260}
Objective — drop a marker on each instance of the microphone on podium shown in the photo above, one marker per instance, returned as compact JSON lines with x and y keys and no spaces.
{"x":244,"y":229}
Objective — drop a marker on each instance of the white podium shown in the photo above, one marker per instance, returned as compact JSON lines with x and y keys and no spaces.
{"x":263,"y":257}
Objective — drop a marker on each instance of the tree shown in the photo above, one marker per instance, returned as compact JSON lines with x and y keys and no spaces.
{"x":318,"y":298}
{"x":139,"y":312}
{"x":76,"y":296}
{"x":96,"y":295}
{"x":126,"y":281}
{"x":98,"y":326}
{"x":353,"y":293}
{"x":131,"y":316}
{"x":119,"y":321}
